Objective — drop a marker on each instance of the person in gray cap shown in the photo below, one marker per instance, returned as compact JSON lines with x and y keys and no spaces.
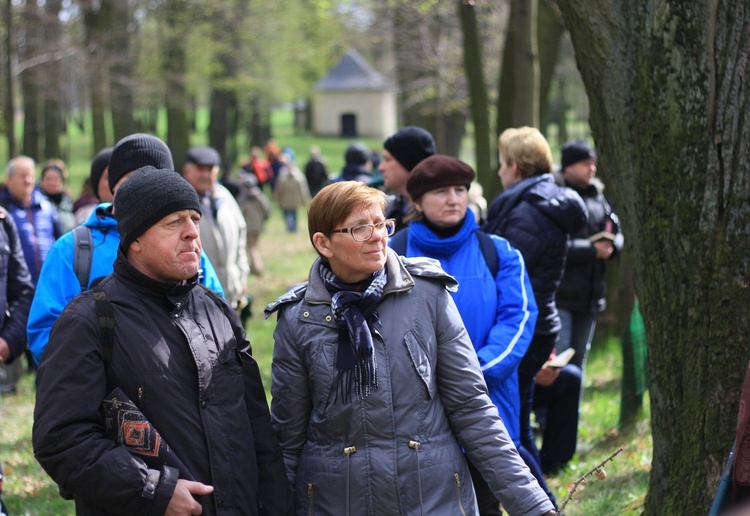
{"x":401,"y":153}
{"x":82,"y":257}
{"x":223,"y":229}
{"x":179,"y":354}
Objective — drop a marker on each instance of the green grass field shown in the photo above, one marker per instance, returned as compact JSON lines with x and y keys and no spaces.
{"x":28,"y":490}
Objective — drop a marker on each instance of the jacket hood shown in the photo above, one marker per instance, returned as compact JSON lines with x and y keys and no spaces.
{"x":102,"y":217}
{"x":399,"y":270}
{"x":563,"y":205}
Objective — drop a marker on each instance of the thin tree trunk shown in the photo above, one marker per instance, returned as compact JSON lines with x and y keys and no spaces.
{"x":30,"y":83}
{"x":480,"y":104}
{"x":550,"y":30}
{"x":121,"y":71}
{"x":8,"y":107}
{"x":518,"y":99}
{"x":178,"y":133}
{"x":96,"y":29}
{"x":51,"y":93}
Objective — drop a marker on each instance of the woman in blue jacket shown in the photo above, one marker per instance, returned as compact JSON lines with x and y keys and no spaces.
{"x":497,"y":307}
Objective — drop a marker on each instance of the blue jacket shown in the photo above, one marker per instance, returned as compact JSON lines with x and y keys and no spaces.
{"x":499,"y":314}
{"x":16,"y":289}
{"x":38,"y":227}
{"x":58,"y":283}
{"x":537,"y":216}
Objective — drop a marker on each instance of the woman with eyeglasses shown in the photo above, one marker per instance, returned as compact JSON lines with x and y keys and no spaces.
{"x":376,"y":386}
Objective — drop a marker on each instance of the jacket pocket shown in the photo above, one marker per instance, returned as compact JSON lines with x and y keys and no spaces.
{"x":323,"y":375}
{"x":421,"y":362}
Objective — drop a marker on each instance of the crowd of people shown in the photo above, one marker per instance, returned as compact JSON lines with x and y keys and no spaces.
{"x":392,"y":391}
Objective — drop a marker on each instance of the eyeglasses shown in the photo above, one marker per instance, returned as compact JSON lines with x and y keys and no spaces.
{"x":363,"y":232}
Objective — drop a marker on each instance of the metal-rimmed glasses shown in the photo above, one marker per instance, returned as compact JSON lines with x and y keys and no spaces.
{"x":363,"y":232}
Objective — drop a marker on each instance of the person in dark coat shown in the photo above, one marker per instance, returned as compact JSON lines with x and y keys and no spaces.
{"x":316,"y":171}
{"x":16,"y":292}
{"x":179,"y":353}
{"x":580,"y":296}
{"x":403,"y":151}
{"x":536,"y":216}
{"x":357,"y":166}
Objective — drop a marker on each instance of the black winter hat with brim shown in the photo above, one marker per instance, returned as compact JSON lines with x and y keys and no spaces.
{"x":98,"y":165}
{"x":148,"y":196}
{"x":136,"y":151}
{"x":410,"y":145}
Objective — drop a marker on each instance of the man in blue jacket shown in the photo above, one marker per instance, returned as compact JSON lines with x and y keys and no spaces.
{"x":58,"y":283}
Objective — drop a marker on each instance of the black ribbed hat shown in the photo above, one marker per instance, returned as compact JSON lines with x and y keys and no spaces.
{"x":98,"y":165}
{"x":148,"y":196}
{"x":410,"y":145}
{"x":575,"y":151}
{"x":136,"y":151}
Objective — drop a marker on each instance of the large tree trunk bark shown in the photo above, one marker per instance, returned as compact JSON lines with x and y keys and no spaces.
{"x":8,"y":105}
{"x":480,"y":104}
{"x":668,"y":88}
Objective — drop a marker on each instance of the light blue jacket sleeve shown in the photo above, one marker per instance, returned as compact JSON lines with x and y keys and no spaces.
{"x":209,"y":278}
{"x":56,"y":287}
{"x":516,"y":316}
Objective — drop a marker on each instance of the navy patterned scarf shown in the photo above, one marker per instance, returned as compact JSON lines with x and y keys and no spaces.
{"x":354,"y":308}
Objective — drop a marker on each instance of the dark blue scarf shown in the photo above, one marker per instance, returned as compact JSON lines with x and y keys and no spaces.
{"x":354,"y":308}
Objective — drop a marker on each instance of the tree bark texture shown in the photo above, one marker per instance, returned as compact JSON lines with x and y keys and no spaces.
{"x":51,"y":72}
{"x":480,"y":104}
{"x":121,"y":76}
{"x":30,"y":82}
{"x":550,"y":30}
{"x":95,"y":22}
{"x":669,"y":90}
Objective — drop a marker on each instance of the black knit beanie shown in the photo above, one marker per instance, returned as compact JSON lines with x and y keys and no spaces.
{"x":356,"y":154}
{"x":98,"y":165}
{"x":148,"y":196}
{"x":410,"y":145}
{"x":136,"y":151}
{"x":575,"y":151}
{"x":438,"y":171}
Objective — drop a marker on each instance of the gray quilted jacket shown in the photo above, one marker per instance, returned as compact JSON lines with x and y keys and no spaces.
{"x":398,"y":450}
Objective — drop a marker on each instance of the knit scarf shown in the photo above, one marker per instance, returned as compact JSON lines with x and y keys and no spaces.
{"x":354,"y":309}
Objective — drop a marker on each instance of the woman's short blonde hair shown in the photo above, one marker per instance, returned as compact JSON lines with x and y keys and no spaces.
{"x":527,"y":148}
{"x":334,"y":203}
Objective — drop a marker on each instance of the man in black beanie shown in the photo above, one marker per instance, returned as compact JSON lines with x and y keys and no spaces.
{"x":81,"y":258}
{"x":401,"y":153}
{"x":180,"y":354}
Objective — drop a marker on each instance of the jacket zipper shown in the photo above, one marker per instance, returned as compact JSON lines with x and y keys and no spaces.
{"x":415,"y":445}
{"x":458,"y":494}
{"x":348,"y":451}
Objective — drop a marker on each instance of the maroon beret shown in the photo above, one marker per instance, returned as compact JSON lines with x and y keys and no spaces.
{"x":438,"y":171}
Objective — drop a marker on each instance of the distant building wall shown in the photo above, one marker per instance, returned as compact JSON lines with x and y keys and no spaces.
{"x":375,"y":112}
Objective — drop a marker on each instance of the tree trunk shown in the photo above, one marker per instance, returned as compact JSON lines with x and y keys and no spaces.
{"x":518,"y":99}
{"x":668,"y":90}
{"x":480,"y":105}
{"x":51,"y":93}
{"x":30,"y":82}
{"x":121,"y":71}
{"x":178,"y":123}
{"x":8,"y":106}
{"x":96,"y":30}
{"x":550,"y":30}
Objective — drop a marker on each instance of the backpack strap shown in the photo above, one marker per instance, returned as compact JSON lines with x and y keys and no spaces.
{"x":398,"y":241}
{"x":489,"y":251}
{"x":106,"y":316}
{"x":83,"y":255}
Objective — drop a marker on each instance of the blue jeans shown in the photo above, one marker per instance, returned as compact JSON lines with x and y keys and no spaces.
{"x":290,"y":218}
{"x":577,"y":332}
